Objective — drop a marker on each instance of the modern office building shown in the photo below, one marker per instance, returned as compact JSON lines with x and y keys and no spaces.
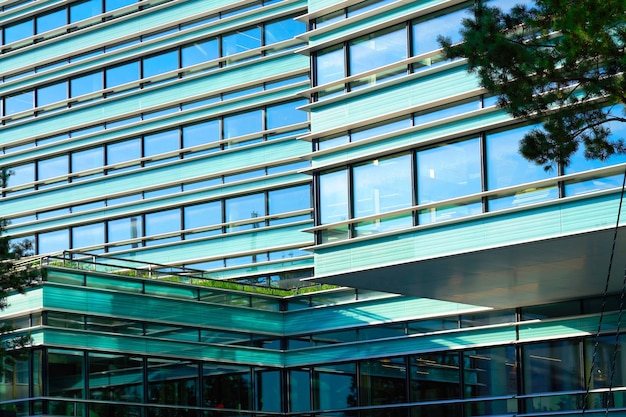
{"x":191,"y":172}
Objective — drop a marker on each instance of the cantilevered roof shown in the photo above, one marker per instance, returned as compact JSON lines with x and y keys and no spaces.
{"x":522,"y":274}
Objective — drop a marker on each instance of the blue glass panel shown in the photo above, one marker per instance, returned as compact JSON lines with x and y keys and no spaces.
{"x":579,"y":163}
{"x":161,"y":63}
{"x":543,"y":361}
{"x":201,"y":133}
{"x":123,"y":229}
{"x":243,"y":124}
{"x":123,"y":151}
{"x":51,"y":94}
{"x":449,"y":171}
{"x":380,"y":129}
{"x":245,"y":207}
{"x":329,"y":65}
{"x":88,"y":235}
{"x":86,"y":84}
{"x":22,"y":174}
{"x":122,"y":74}
{"x":283,"y":30}
{"x":426,"y":31}
{"x":201,"y":215}
{"x":330,"y":18}
{"x":378,"y":49}
{"x":85,"y":9}
{"x":56,"y":241}
{"x":161,"y":142}
{"x":113,"y":377}
{"x":366,"y":6}
{"x":380,"y":186}
{"x":51,"y":20}
{"x":52,"y":167}
{"x":19,"y":102}
{"x":162,"y":222}
{"x":327,"y":143}
{"x":116,"y":4}
{"x":172,"y":382}
{"x":269,"y":390}
{"x":333,"y":196}
{"x":506,"y":167}
{"x":285,"y":114}
{"x":289,"y":199}
{"x":224,"y":385}
{"x":199,"y":52}
{"x":241,"y":41}
{"x":18,"y":31}
{"x":87,"y":159}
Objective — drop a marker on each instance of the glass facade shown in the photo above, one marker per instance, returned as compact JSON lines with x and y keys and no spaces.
{"x":158,"y":148}
{"x":138,"y":370}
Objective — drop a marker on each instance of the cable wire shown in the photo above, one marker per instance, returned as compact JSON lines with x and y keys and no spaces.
{"x":602,"y":311}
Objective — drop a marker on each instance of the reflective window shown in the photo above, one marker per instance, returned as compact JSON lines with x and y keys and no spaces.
{"x":19,"y":102}
{"x":199,"y":52}
{"x":283,"y":30}
{"x":227,"y":386}
{"x":379,"y":129}
{"x":285,"y":114}
{"x":383,"y":381}
{"x":124,"y":229}
{"x":329,"y":65}
{"x":50,"y":242}
{"x":22,"y":174}
{"x":51,"y":20}
{"x":172,"y":382}
{"x":116,"y":4}
{"x":88,"y":235}
{"x":435,"y":376}
{"x":53,"y":167}
{"x":579,"y":163}
{"x":299,"y":388}
{"x":201,"y":133}
{"x":268,"y":388}
{"x":243,"y":124}
{"x":162,"y":222}
{"x":610,"y":357}
{"x":378,"y":49}
{"x":122,"y":74}
{"x":17,"y":31}
{"x":87,"y":159}
{"x":161,"y":142}
{"x":380,"y":186}
{"x":201,"y":215}
{"x":241,"y":41}
{"x":51,"y":94}
{"x":65,"y":376}
{"x":289,"y":199}
{"x":507,"y":167}
{"x":158,"y":64}
{"x":85,"y":9}
{"x":490,"y":372}
{"x":426,"y":31}
{"x":123,"y":151}
{"x":552,"y":366}
{"x":333,"y":196}
{"x":449,"y":171}
{"x":86,"y":84}
{"x":125,"y":370}
{"x":334,"y":386}
{"x":245,"y":207}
